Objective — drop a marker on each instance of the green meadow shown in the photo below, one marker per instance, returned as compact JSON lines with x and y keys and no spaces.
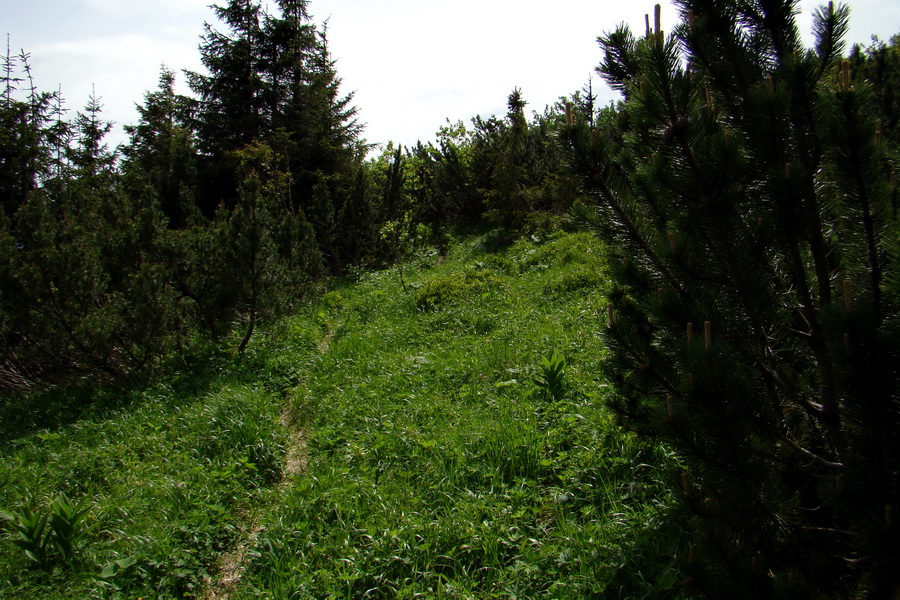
{"x":440,"y":434}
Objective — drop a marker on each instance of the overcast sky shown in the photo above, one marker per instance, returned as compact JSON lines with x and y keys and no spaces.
{"x":412,"y":64}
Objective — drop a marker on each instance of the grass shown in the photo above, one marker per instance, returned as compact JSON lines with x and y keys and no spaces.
{"x":436,"y":463}
{"x":165,"y":477}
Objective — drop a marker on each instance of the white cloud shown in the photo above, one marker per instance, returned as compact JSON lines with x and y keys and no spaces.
{"x":119,"y":69}
{"x":458,"y":59}
{"x":138,"y":8}
{"x":412,"y":63}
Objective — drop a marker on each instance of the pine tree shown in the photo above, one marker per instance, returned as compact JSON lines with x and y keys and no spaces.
{"x":324,"y":218}
{"x":753,"y":327}
{"x":395,"y":210}
{"x":85,"y":288}
{"x":11,"y":375}
{"x":453,"y":184}
{"x":357,"y":220}
{"x":262,"y":279}
{"x":393,"y":203}
{"x":879,"y":65}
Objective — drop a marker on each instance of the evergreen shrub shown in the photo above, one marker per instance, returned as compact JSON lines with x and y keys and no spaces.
{"x":745,"y":190}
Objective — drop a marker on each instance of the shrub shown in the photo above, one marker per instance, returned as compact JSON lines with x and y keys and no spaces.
{"x":452,"y":288}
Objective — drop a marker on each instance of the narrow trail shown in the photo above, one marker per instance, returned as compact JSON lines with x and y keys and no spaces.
{"x":231,"y":565}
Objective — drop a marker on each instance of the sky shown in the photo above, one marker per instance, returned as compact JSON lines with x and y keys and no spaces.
{"x":412,"y":65}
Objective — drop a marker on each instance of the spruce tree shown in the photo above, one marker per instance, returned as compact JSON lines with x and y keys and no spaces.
{"x":508,"y":198}
{"x":324,"y":148}
{"x":231,"y":95}
{"x":271,"y":79}
{"x":518,"y":168}
{"x":161,"y":154}
{"x":91,"y":157}
{"x":26,"y":132}
{"x":753,"y":328}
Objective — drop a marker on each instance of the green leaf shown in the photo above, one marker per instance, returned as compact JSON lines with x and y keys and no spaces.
{"x":111,"y":569}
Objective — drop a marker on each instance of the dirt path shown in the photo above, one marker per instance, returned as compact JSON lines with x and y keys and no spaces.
{"x":231,"y":565}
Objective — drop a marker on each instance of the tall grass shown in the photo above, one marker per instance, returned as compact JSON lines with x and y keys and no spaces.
{"x":447,"y":454}
{"x":439,"y":466}
{"x":165,"y":476}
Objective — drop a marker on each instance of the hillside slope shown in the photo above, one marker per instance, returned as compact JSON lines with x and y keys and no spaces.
{"x":384,"y":443}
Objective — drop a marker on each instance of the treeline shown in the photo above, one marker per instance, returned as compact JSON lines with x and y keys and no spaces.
{"x":229,"y":206}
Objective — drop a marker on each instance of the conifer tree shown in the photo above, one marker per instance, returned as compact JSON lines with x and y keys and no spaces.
{"x":517,"y":167}
{"x":91,"y":157}
{"x":392,"y":196}
{"x":231,"y":113}
{"x":11,"y":376}
{"x":754,"y":323}
{"x":879,"y":65}
{"x":395,"y":210}
{"x":264,"y":278}
{"x":26,"y":133}
{"x":161,"y":153}
{"x":357,"y":221}
{"x":271,"y":79}
{"x":324,"y":219}
{"x":85,"y":288}
{"x":323,"y":146}
{"x":508,"y":197}
{"x":254,"y":261}
{"x":456,"y":197}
